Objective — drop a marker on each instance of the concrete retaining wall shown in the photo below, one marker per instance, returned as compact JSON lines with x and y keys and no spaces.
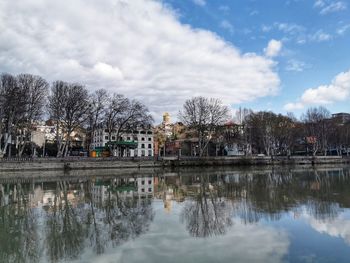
{"x":294,"y":160}
{"x":110,"y":163}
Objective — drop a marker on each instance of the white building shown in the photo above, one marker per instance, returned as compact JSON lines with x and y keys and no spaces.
{"x":48,"y":132}
{"x":136,"y":143}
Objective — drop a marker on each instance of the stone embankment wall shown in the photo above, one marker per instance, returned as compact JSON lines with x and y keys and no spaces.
{"x":279,"y":160}
{"x":25,"y":164}
{"x":115,"y":163}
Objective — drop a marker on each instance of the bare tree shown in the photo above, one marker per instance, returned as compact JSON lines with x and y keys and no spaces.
{"x":204,"y":116}
{"x":2,"y":117}
{"x":242,"y":115}
{"x":98,"y":101}
{"x":121,"y":114}
{"x":10,"y":100}
{"x":33,"y":90}
{"x":317,"y":128}
{"x":271,"y":133}
{"x":136,"y":114}
{"x":69,"y":106}
{"x":56,"y":109}
{"x":115,"y":107}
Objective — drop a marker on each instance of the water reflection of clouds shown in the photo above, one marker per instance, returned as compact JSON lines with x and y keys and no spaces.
{"x":169,"y":241}
{"x":338,"y":227}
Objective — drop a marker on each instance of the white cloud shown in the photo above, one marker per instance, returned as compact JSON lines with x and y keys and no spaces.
{"x":295,"y":65}
{"x":290,"y":28}
{"x":227,"y":25}
{"x":320,"y":36}
{"x":298,"y":33}
{"x":291,"y":31}
{"x":342,"y":30}
{"x":138,"y":48}
{"x":338,"y":90}
{"x":319,"y":3}
{"x":293,"y":106}
{"x":266,"y":28}
{"x":199,"y":2}
{"x":273,"y":48}
{"x":108,"y":71}
{"x":329,"y":6}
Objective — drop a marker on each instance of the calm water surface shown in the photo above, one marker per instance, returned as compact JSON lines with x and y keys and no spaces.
{"x":273,"y":215}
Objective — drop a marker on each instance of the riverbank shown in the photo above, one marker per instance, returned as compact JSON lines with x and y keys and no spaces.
{"x":66,"y":164}
{"x":107,"y":174}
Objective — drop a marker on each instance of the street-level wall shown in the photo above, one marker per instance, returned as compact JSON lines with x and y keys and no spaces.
{"x":117,"y":163}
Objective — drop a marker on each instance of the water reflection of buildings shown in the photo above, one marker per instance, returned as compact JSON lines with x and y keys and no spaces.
{"x":129,"y":187}
{"x":35,"y":196}
{"x":99,"y":193}
{"x":145,"y":186}
{"x":262,"y":192}
{"x":212,"y":202}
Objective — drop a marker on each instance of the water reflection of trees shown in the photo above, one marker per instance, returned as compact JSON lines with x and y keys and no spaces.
{"x":253,"y":196}
{"x":117,"y":219}
{"x":64,"y":227}
{"x":72,"y":221}
{"x":75,"y":219}
{"x":206,"y":213}
{"x":18,"y":228}
{"x":321,"y":192}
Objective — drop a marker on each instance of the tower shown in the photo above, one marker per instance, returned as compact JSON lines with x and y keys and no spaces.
{"x":166,"y":118}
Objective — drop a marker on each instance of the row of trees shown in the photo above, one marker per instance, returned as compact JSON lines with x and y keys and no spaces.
{"x":26,"y":99}
{"x":265,"y":132}
{"x":317,"y":132}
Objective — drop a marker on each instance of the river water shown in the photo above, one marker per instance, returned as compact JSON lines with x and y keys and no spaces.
{"x":278,"y":214}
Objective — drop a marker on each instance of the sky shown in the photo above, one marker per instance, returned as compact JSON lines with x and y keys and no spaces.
{"x":279,"y":55}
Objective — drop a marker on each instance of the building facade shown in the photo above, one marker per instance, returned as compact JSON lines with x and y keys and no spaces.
{"x":136,"y":143}
{"x":341,"y":117}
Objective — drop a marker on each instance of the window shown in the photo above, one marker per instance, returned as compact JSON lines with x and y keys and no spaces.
{"x":149,"y":189}
{"x":142,"y":190}
{"x":143,"y":138}
{"x":143,"y":182}
{"x":142,"y":132}
{"x":142,"y":153}
{"x":149,"y":146}
{"x":128,"y":138}
{"x":106,"y":137}
{"x":149,"y":132}
{"x":143,"y":145}
{"x":149,"y":139}
{"x":149,"y":181}
{"x":150,"y":153}
{"x":113,"y":138}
